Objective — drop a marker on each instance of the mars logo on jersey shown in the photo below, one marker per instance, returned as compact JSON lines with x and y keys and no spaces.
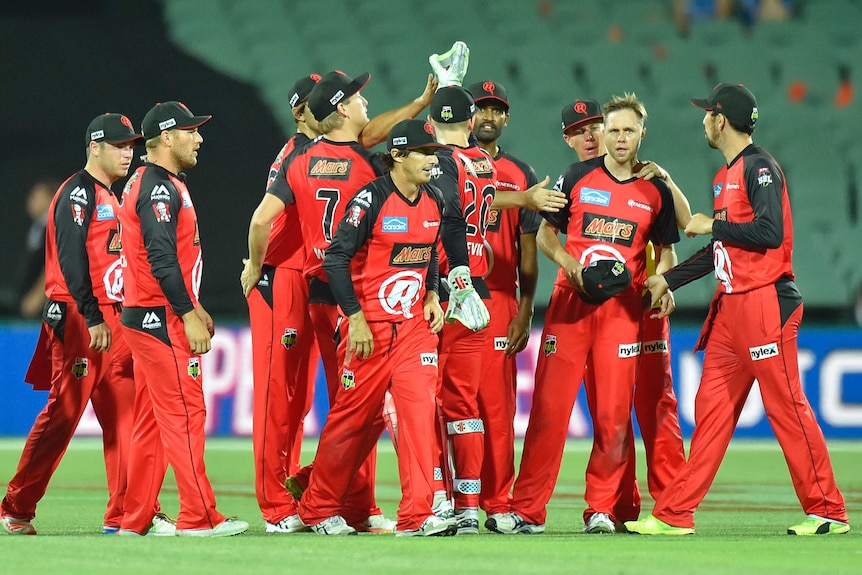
{"x":763,"y":351}
{"x":347,"y":379}
{"x":493,"y":220}
{"x":428,"y":358}
{"x":163,"y":212}
{"x":329,"y":168}
{"x":615,"y":231}
{"x":288,"y":340}
{"x":194,"y":367}
{"x":550,"y":345}
{"x":196,"y":241}
{"x":413,"y":255}
{"x":400,"y":292}
{"x":629,"y":349}
{"x":478,"y":167}
{"x":720,"y":215}
{"x":81,"y":367}
{"x":114,"y":245}
{"x":657,"y":346}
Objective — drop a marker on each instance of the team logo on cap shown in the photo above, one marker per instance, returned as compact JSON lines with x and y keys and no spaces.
{"x":446,"y":113}
{"x":400,"y":141}
{"x":126,"y":122}
{"x":316,"y":77}
{"x":754,"y":115}
{"x":428,"y":128}
{"x":169,"y":123}
{"x":489,"y":87}
{"x":97,"y":134}
{"x":336,"y":98}
{"x":581,"y":108}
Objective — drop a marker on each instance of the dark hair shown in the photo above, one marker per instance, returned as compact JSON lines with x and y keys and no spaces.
{"x":387,"y":160}
{"x":745,"y":129}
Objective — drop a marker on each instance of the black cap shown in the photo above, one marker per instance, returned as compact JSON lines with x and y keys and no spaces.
{"x":734,"y":101}
{"x":302,"y":88}
{"x":113,"y":129}
{"x":581,"y":112}
{"x":411,"y":135}
{"x":603,"y":279}
{"x":451,"y":105}
{"x":488,"y":92}
{"x":170,"y":116}
{"x":333,"y":88}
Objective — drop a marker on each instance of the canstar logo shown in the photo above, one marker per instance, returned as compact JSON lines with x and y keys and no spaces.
{"x":410,"y":255}
{"x":733,"y":186}
{"x":639,"y":205}
{"x":104,"y":212}
{"x":151,"y":321}
{"x":596,"y":197}
{"x":615,"y":230}
{"x":657,"y":346}
{"x":394,"y":224}
{"x":629,"y":349}
{"x":428,"y":358}
{"x":763,"y":351}
{"x":716,"y":190}
{"x":329,"y":168}
{"x":500,"y":343}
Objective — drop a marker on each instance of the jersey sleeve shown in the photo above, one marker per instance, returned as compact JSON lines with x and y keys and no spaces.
{"x":278,"y":186}
{"x":454,"y":226}
{"x":158,"y":212}
{"x":664,"y":231}
{"x":432,"y":277}
{"x":353,"y":231}
{"x":695,"y":267}
{"x":529,"y":220}
{"x":564,"y":184}
{"x":764,"y":183}
{"x":72,"y":215}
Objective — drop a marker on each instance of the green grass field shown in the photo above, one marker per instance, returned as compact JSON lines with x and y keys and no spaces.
{"x":741,"y":527}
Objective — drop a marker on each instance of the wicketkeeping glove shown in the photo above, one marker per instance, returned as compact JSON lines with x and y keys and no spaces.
{"x":451,"y":67}
{"x":465,"y":305}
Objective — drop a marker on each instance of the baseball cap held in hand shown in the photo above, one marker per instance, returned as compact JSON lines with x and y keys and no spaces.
{"x":603,"y":279}
{"x":733,"y":101}
{"x":170,"y":116}
{"x":113,"y":129}
{"x":333,"y":89}
{"x":451,"y":105}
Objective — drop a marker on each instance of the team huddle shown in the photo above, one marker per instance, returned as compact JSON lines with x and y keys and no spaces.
{"x":411,"y":274}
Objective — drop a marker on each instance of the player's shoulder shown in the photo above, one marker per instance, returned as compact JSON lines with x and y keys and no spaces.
{"x":759,"y":161}
{"x":578,"y":170}
{"x":505,"y":157}
{"x":79,"y":189}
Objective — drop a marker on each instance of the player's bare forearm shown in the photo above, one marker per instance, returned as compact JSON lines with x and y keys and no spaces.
{"x":666,"y":259}
{"x":433,"y":312}
{"x":379,"y":127}
{"x":360,"y":342}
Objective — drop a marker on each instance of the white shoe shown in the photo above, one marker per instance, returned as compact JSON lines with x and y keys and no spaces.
{"x":377,"y":524}
{"x":433,"y":526}
{"x":442,"y":506}
{"x":226,"y":528}
{"x":290,"y":524}
{"x":511,"y":524}
{"x":14,"y":526}
{"x":163,"y":526}
{"x":467,"y":521}
{"x":335,"y":525}
{"x":600,"y":523}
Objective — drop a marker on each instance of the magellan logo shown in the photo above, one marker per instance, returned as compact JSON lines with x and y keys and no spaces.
{"x":151,"y":321}
{"x":428,"y":358}
{"x":160,"y":194}
{"x":79,"y":196}
{"x":763,"y":351}
{"x":329,"y":168}
{"x":629,"y":349}
{"x":657,"y":346}
{"x":54,"y":312}
{"x":410,"y":255}
{"x":500,"y":343}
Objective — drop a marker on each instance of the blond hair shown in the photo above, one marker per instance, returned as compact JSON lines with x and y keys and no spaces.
{"x":629,"y":101}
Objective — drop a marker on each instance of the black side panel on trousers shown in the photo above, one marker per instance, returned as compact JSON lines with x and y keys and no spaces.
{"x":264,"y":284}
{"x":150,"y":320}
{"x":54,"y":314}
{"x":789,"y":298}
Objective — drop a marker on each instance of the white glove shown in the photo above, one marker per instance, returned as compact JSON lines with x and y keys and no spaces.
{"x":451,"y":67}
{"x":465,"y":305}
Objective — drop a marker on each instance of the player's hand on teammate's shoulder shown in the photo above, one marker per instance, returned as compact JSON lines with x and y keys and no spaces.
{"x":542,"y":199}
{"x":649,"y":170}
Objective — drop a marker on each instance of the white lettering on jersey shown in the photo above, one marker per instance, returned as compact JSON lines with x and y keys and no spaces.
{"x":629,"y":349}
{"x":723,"y":268}
{"x":113,"y":280}
{"x":400,"y":292}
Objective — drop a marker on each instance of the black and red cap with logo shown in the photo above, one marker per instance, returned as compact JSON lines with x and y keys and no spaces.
{"x":603,"y":279}
{"x":451,"y":105}
{"x":333,"y":88}
{"x":412,"y":135}
{"x":487,"y":92}
{"x":171,"y":115}
{"x":734,"y":101}
{"x":580,"y":112}
{"x":113,"y":129}
{"x":302,"y":88}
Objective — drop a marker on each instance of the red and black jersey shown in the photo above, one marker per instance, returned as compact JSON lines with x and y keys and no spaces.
{"x":161,"y":244}
{"x":82,"y":247}
{"x":610,"y":219}
{"x":467,"y":177}
{"x":383,"y":258}
{"x":285,"y":248}
{"x":505,"y":227}
{"x":320,"y":178}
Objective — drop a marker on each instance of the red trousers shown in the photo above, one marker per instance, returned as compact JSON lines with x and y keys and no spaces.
{"x":497,"y":406}
{"x":608,"y":336}
{"x":78,"y":375}
{"x":457,"y":399}
{"x":170,"y":415}
{"x":746,"y":340}
{"x":284,"y":355}
{"x":656,"y":410}
{"x":361,"y":501}
{"x":404,"y":362}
